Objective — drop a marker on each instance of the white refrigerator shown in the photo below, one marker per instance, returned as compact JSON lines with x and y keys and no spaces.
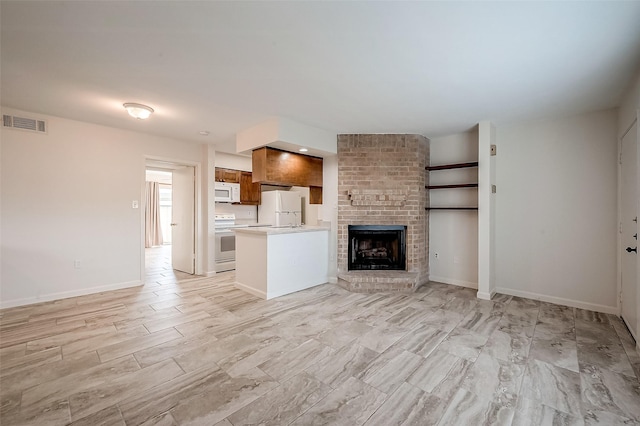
{"x":280,"y":208}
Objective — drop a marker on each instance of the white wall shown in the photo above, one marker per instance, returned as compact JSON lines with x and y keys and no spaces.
{"x":453,"y":235}
{"x":328,"y":211}
{"x":486,"y":211}
{"x":67,"y":196}
{"x":234,"y":162}
{"x":244,"y":214}
{"x":556,"y":210}
{"x":208,"y":209}
{"x":629,"y":106}
{"x":283,"y":133}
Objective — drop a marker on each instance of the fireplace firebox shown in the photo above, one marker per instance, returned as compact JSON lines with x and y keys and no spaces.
{"x":379,"y":247}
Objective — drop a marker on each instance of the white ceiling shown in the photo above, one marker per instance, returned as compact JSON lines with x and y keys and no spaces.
{"x":433,"y":68}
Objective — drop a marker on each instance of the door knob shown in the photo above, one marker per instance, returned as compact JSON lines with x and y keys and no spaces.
{"x":629,"y":249}
{"x":173,"y":224}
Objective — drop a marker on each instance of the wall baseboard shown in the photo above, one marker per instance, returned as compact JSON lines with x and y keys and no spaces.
{"x":333,"y":280}
{"x":272,"y":294}
{"x":210,"y":274}
{"x":250,"y":290}
{"x":67,"y":294}
{"x":560,"y":301}
{"x":460,"y":283}
{"x":486,"y":296}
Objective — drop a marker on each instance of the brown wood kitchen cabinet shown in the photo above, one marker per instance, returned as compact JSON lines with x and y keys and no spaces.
{"x":249,"y":191}
{"x":275,"y":167}
{"x":227,"y":175}
{"x":315,"y":195}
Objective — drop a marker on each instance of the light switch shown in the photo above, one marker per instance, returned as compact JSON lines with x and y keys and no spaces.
{"x":134,"y":204}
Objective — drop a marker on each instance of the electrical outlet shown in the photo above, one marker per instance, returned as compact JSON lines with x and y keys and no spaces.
{"x":134,"y":204}
{"x":436,"y":255}
{"x":77,"y":264}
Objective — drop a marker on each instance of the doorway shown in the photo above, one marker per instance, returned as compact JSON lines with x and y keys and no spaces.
{"x":169,"y":222}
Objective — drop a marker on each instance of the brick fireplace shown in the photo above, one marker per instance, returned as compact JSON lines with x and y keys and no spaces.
{"x":381,"y":184}
{"x":377,"y":247}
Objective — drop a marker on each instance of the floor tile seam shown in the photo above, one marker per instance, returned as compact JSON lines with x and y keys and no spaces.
{"x":176,"y":403}
{"x":333,"y":390}
{"x":395,"y":388}
{"x":40,"y":364}
{"x":20,"y":341}
{"x":553,"y":373}
{"x":629,"y":358}
{"x":542,"y":404}
{"x":624,"y":324}
{"x":370,"y":363}
{"x":589,"y":342}
{"x":446,"y":408}
{"x":67,"y":395}
{"x":608,"y":370}
{"x":135,"y":339}
{"x":91,"y":414}
{"x":144,"y":389}
{"x":633,"y":351}
{"x":27,"y":327}
{"x":389,"y":396}
{"x":528,"y":358}
{"x":492,"y":399}
{"x":88,"y":312}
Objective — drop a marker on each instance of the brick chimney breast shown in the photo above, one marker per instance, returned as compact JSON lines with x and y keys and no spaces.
{"x":381,"y":181}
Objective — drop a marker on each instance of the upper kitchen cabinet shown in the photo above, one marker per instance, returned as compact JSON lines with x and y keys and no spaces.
{"x":249,"y":191}
{"x":227,"y":175}
{"x":275,"y":167}
{"x":315,"y":195}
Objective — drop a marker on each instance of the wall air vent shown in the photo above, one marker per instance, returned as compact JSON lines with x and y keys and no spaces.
{"x":23,"y":123}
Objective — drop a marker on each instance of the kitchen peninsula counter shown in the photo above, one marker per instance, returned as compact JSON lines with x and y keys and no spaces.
{"x":274,"y":261}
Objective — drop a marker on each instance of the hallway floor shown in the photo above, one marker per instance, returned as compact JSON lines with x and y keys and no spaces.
{"x":198,"y":351}
{"x":158,"y":265}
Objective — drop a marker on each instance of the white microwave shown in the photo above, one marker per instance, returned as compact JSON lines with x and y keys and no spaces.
{"x":227,"y":192}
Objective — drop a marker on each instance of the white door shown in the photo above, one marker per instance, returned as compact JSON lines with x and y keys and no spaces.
{"x":629,"y":236}
{"x":183,"y":220}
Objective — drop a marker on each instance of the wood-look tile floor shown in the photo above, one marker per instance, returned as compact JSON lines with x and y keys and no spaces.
{"x":158,"y":266}
{"x":200,"y":352}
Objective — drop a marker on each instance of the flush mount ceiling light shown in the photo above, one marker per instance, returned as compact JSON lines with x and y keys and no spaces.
{"x":203,"y":133}
{"x":303,"y":150}
{"x":138,"y":111}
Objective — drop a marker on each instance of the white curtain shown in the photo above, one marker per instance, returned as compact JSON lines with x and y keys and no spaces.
{"x":152,"y":228}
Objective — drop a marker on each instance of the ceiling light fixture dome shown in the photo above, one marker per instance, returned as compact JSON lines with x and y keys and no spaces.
{"x":138,"y":111}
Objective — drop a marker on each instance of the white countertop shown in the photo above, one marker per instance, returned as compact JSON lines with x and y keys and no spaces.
{"x":272,"y":230}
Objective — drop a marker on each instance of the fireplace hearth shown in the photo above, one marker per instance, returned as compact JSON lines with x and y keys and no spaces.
{"x":377,"y":247}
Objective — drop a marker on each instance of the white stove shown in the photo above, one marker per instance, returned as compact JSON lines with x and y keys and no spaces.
{"x":224,"y":220}
{"x":226,"y":241}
